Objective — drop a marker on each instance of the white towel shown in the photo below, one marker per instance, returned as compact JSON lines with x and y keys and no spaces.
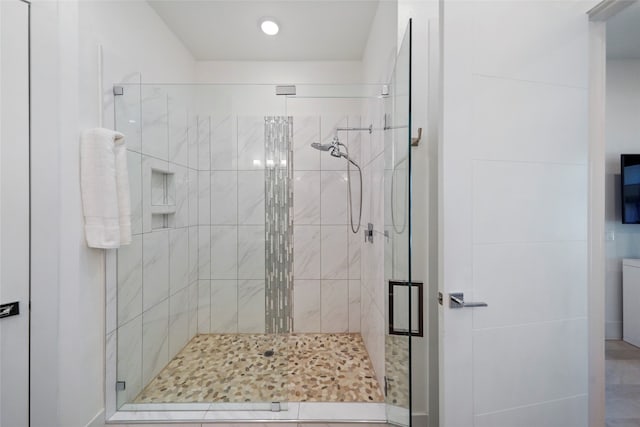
{"x":105,"y":188}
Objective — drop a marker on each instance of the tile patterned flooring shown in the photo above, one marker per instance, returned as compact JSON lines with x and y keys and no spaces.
{"x":397,"y":370}
{"x":622,"y":384}
{"x":234,"y":368}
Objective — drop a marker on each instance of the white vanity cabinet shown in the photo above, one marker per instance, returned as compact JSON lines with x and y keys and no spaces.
{"x":631,"y":301}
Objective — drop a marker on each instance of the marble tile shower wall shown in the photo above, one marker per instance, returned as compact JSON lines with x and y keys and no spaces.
{"x":327,"y":256}
{"x":157,"y":278}
{"x":326,"y":253}
{"x":373,"y":294}
{"x":201,"y":268}
{"x":231,"y":276}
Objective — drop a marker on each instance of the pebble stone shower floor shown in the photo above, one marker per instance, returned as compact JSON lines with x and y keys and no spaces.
{"x":233,"y":368}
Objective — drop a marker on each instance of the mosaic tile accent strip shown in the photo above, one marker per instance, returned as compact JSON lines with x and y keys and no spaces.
{"x":278,"y":224}
{"x":233,"y":368}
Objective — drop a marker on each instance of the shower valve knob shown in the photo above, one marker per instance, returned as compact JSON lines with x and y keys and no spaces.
{"x":368,"y":233}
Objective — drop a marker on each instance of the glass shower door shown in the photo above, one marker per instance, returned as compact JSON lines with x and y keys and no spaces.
{"x":403,"y":314}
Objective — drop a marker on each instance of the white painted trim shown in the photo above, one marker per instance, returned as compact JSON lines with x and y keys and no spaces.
{"x":45,"y":220}
{"x":420,"y":419}
{"x":97,"y":421}
{"x":596,"y":250}
{"x":608,"y":8}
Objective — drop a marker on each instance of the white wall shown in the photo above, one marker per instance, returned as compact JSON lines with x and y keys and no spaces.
{"x":513,"y":209}
{"x":279,"y":72}
{"x":379,"y":55}
{"x":14,"y":210}
{"x":67,"y":278}
{"x":622,"y":136}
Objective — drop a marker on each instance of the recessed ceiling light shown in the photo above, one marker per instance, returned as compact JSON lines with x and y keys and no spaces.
{"x":269,"y":27}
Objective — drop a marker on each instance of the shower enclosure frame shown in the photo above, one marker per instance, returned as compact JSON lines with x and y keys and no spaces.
{"x":195,"y":412}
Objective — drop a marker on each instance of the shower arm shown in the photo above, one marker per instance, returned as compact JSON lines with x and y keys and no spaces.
{"x":369,"y":129}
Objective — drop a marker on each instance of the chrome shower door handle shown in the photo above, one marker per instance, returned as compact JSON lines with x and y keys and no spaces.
{"x":456,"y":300}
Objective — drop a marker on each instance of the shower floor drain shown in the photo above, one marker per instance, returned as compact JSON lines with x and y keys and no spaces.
{"x":268,"y":353}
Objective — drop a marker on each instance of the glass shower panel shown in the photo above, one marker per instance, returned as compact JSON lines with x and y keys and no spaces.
{"x":397,"y":248}
{"x":245,"y":282}
{"x":337,"y":275}
{"x":196,"y":290}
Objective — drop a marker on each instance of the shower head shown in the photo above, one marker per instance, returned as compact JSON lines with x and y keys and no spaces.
{"x":335,"y":151}
{"x":321,"y":147}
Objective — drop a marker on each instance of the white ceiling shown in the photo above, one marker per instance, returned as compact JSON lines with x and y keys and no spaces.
{"x":623,"y":34}
{"x":309,"y":29}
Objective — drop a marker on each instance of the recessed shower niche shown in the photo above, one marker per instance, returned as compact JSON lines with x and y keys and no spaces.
{"x":162,"y":201}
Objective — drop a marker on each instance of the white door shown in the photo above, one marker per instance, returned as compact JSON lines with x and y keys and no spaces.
{"x":514,"y":172}
{"x":14,"y":213}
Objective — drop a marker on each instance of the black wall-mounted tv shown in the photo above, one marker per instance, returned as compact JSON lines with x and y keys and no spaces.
{"x":630,"y":188}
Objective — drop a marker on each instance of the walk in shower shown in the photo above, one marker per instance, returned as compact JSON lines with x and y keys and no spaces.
{"x":249,"y":285}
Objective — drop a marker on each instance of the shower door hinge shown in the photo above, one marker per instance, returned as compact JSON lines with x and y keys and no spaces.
{"x":120,"y":385}
{"x":118,"y":90}
{"x":275,"y":407}
{"x":386,"y":386}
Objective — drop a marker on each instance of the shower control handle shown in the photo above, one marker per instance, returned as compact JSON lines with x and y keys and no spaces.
{"x":456,"y":300}
{"x":368,"y":233}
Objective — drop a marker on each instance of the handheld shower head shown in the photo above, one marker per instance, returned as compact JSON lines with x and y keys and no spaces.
{"x":334,"y":150}
{"x":321,"y":147}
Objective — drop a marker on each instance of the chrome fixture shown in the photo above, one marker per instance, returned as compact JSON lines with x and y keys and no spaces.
{"x":321,"y":147}
{"x":456,"y":300}
{"x":370,"y":129}
{"x":334,"y":150}
{"x":415,"y":141}
{"x":368,"y":233}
